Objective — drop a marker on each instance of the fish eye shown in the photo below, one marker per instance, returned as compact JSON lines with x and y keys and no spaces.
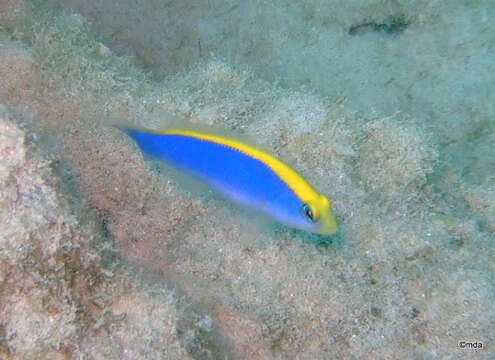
{"x":308,"y":213}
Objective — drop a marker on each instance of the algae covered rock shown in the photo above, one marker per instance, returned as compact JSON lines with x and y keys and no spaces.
{"x":57,"y":300}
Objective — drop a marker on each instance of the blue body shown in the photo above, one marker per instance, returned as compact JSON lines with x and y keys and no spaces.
{"x":233,"y":173}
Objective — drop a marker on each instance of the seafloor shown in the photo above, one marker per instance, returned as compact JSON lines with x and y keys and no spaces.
{"x":388,"y":107}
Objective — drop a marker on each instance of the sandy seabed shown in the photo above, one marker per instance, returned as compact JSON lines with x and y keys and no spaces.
{"x":103,"y":255}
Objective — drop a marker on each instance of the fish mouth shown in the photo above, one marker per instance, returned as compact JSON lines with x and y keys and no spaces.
{"x":328,"y":225}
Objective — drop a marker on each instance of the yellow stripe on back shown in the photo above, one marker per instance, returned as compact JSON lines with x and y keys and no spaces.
{"x":296,"y":182}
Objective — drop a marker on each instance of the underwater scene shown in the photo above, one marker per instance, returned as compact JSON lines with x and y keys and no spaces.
{"x":247,"y":179}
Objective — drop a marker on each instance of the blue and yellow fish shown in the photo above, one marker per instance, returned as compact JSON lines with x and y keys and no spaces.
{"x":244,"y":173}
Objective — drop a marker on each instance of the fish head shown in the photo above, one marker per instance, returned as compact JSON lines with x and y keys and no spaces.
{"x":317,"y":216}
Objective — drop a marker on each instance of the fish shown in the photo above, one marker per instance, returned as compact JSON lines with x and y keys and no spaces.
{"x":244,"y":173}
